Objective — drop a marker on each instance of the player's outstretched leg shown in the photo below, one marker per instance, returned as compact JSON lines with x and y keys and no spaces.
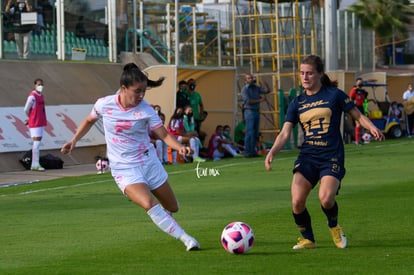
{"x":168,"y":224}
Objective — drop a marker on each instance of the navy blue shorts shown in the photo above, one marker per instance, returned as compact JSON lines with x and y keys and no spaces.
{"x":313,"y":170}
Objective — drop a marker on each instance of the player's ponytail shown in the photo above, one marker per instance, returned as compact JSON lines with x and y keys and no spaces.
{"x":131,"y":74}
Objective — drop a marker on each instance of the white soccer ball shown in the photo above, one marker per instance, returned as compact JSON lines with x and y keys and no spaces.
{"x":237,"y":238}
{"x":366,"y":137}
{"x":102,"y":165}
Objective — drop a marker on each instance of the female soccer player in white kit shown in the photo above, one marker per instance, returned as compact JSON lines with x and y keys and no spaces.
{"x":128,"y":120}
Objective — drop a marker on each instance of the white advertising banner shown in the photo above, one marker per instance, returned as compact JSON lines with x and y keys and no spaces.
{"x":62,"y":122}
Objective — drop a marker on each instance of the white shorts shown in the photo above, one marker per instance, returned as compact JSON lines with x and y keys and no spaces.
{"x":152,"y":173}
{"x":36,"y":132}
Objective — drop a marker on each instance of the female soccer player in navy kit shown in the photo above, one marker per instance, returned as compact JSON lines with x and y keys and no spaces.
{"x":128,"y":120}
{"x":318,"y":110}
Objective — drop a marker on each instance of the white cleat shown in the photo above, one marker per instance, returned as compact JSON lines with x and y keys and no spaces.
{"x":191,"y":244}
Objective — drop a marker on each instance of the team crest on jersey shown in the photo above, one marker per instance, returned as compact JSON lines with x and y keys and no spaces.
{"x":335,"y":168}
{"x":137,"y":115}
{"x":108,"y":111}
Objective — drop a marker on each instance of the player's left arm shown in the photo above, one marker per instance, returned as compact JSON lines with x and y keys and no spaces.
{"x":366,"y":123}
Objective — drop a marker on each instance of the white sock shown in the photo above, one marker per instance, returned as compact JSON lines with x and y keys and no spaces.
{"x":35,"y":153}
{"x":165,"y":222}
{"x":194,"y":147}
{"x":229,"y":149}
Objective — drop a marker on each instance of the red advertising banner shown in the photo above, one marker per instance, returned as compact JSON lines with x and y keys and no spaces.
{"x":63,"y":121}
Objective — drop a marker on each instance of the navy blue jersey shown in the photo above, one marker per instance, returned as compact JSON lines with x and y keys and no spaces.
{"x":320,"y":118}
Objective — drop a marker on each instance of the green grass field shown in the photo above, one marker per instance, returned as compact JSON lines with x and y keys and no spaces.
{"x":84,"y":225}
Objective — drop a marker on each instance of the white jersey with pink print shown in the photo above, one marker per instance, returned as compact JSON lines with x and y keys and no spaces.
{"x":127,"y":131}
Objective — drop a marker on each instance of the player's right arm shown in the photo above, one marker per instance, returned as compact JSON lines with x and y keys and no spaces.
{"x":83,"y":129}
{"x":279,"y":143}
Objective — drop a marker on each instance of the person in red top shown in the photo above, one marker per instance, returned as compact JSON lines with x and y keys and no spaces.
{"x":36,"y":113}
{"x":358,"y":95}
{"x":177,"y":129}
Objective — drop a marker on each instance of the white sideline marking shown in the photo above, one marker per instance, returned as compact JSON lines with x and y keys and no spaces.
{"x":94,"y":182}
{"x":192,"y":170}
{"x":56,"y":188}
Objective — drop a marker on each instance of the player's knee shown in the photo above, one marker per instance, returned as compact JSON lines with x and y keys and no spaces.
{"x":298,"y":206}
{"x":327,"y":202}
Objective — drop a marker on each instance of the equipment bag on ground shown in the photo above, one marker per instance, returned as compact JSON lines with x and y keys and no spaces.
{"x":47,"y":161}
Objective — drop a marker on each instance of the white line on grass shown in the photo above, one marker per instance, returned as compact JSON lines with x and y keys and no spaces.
{"x":94,"y":182}
{"x":56,"y":188}
{"x":192,"y":170}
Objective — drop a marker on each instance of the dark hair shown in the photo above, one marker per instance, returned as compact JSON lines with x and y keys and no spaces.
{"x":176,"y":116}
{"x":315,"y":61}
{"x":131,"y":74}
{"x":182,"y":82}
{"x":326,"y":81}
{"x":37,"y":80}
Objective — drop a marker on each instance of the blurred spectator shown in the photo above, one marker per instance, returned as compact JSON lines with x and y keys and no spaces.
{"x":227,"y":134}
{"x":240,"y":132}
{"x":196,"y":103}
{"x":358,"y":95}
{"x":253,"y":95}
{"x":40,"y":26}
{"x":157,"y":109}
{"x":189,"y":126}
{"x":22,"y":32}
{"x":160,"y":146}
{"x":80,"y":30}
{"x":182,"y":97}
{"x":408,"y":98}
{"x":47,"y":11}
{"x":219,"y":147}
{"x":176,"y":128}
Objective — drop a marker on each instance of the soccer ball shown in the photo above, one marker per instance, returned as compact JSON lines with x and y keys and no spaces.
{"x":366,"y":137}
{"x":237,"y":238}
{"x":102,"y":165}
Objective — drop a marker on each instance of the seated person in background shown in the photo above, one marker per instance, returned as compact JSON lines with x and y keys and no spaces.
{"x":160,"y":146}
{"x":219,"y":147}
{"x":226,"y":133}
{"x":189,"y":125}
{"x":176,"y":128}
{"x":188,"y":121}
{"x":157,"y":109}
{"x":240,"y":132}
